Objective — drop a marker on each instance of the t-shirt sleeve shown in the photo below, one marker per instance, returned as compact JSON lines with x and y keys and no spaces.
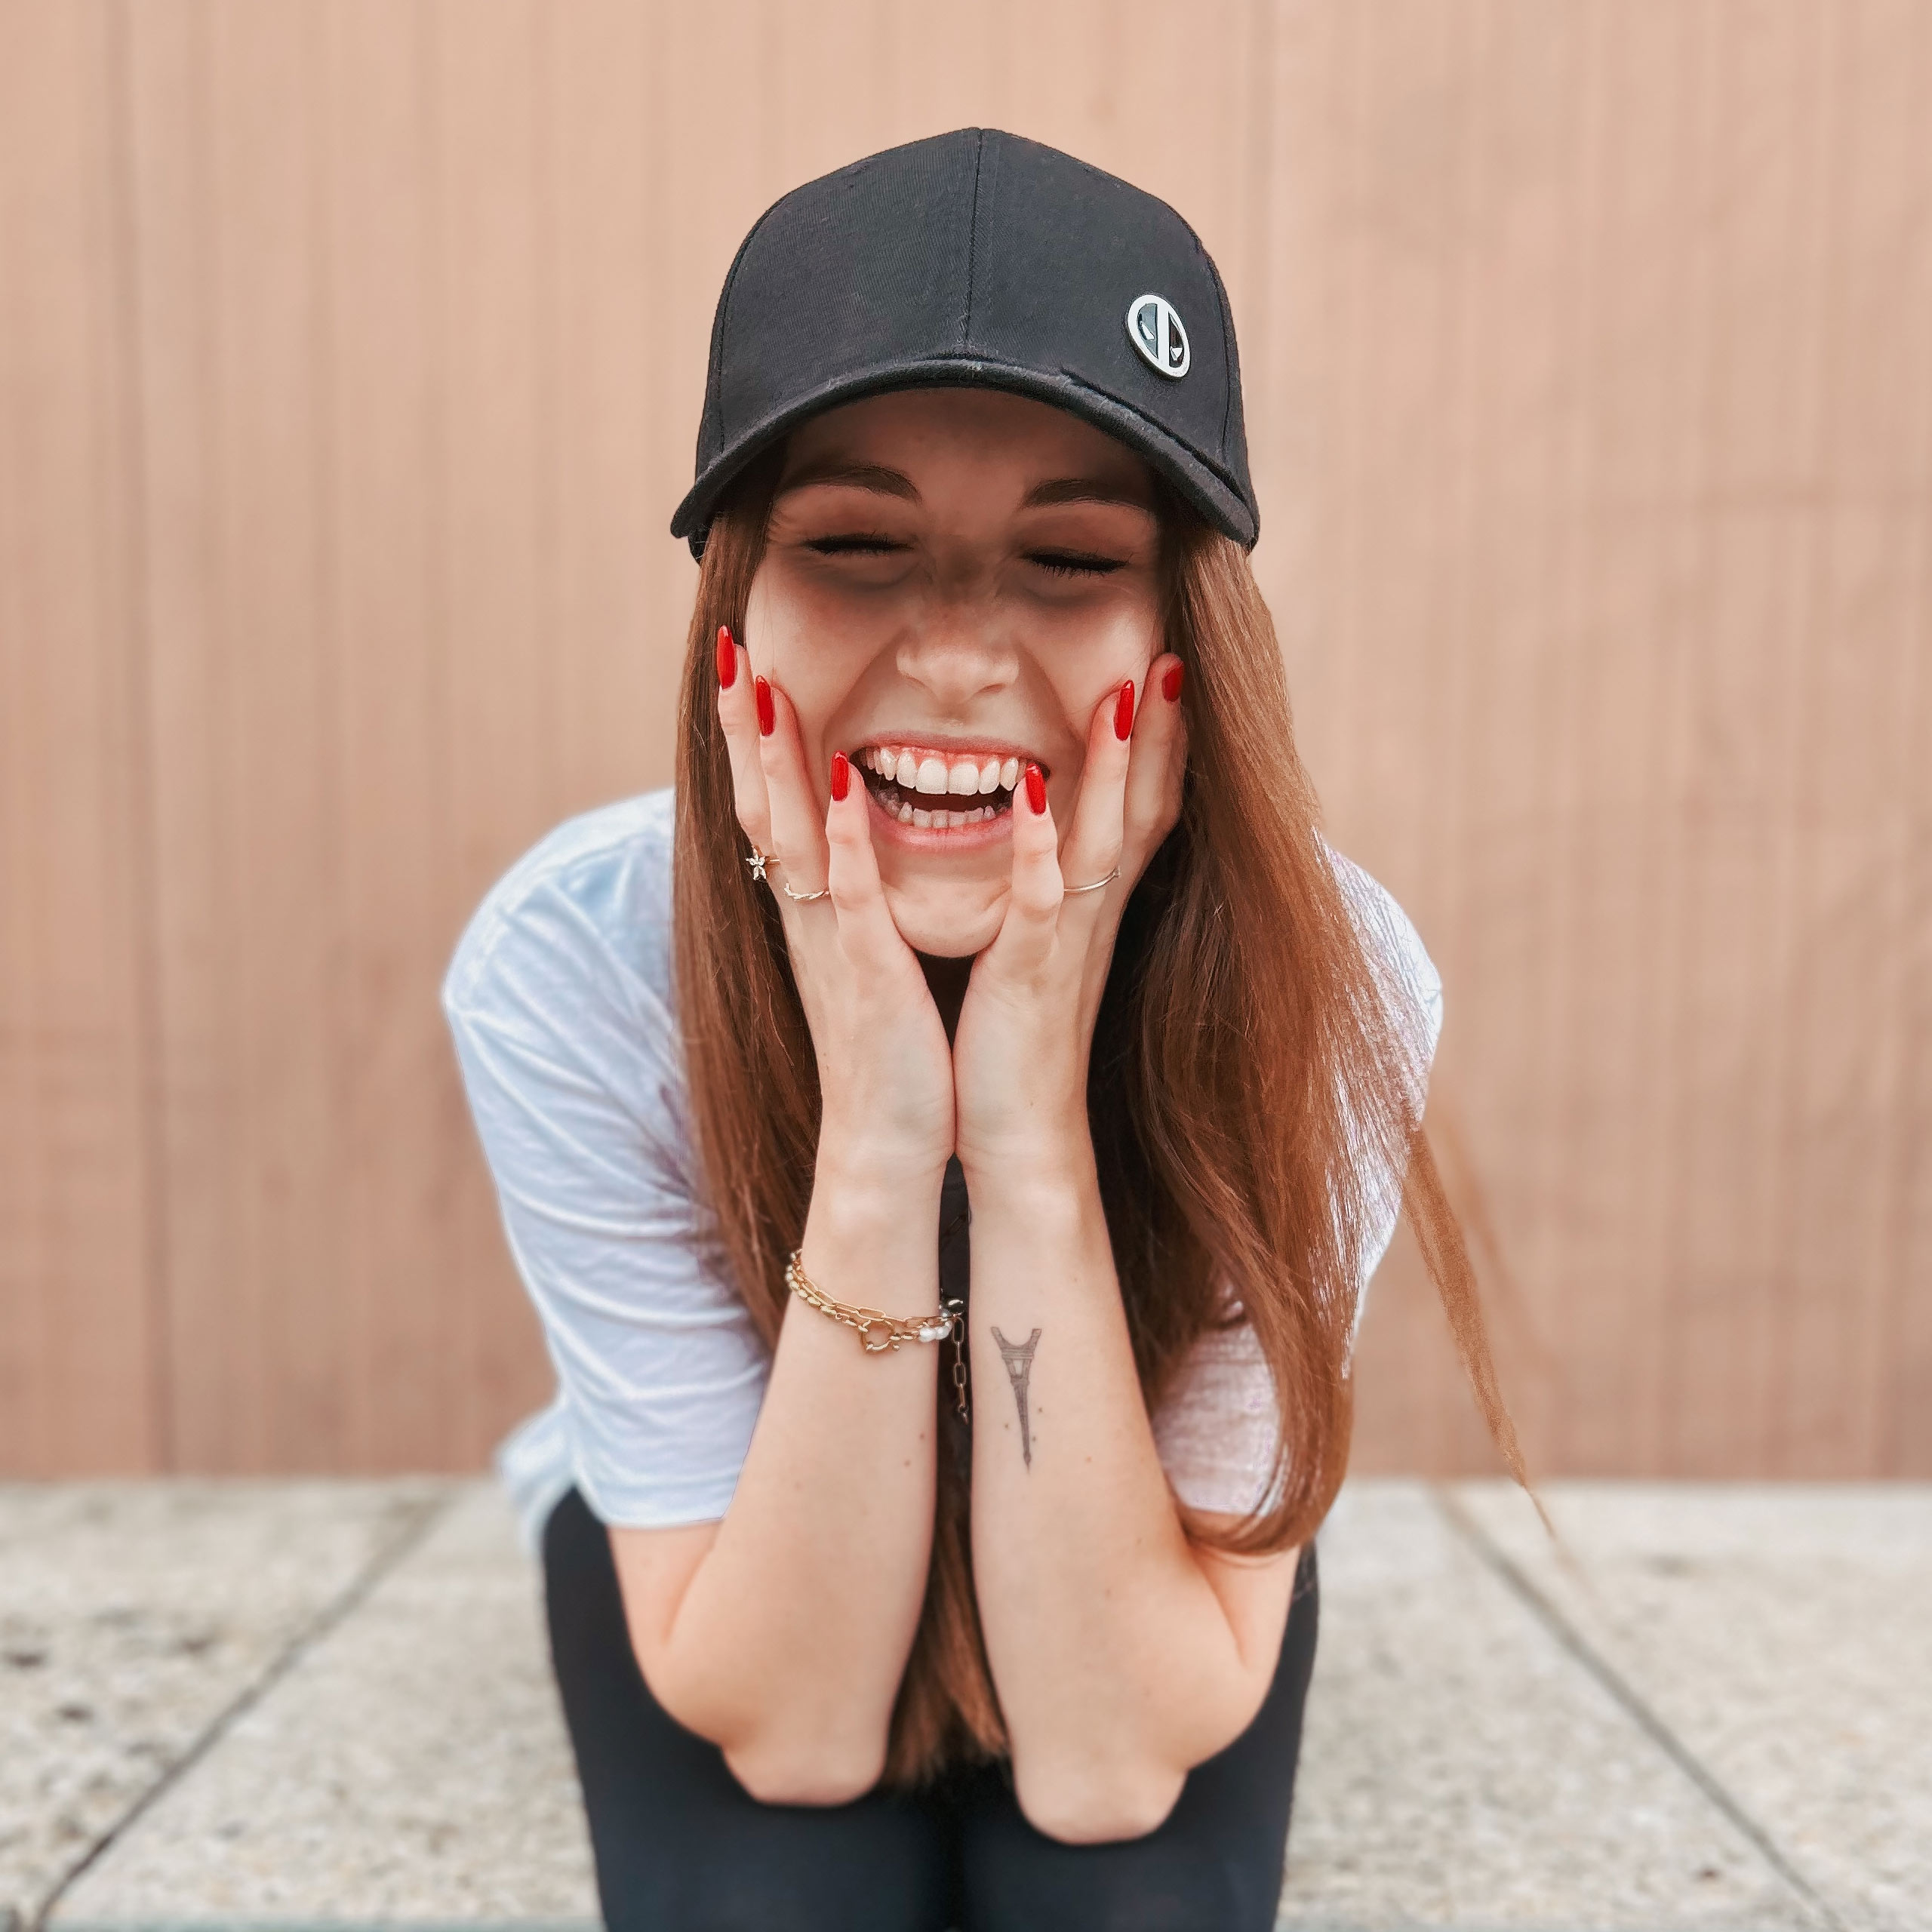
{"x":1394,"y":940}
{"x":1217,"y":1429}
{"x":570,"y":1060}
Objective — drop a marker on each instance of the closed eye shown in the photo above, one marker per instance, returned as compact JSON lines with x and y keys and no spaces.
{"x":1076,"y":563}
{"x":858,"y":543}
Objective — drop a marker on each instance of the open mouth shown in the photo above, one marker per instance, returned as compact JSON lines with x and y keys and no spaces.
{"x":939,"y":790}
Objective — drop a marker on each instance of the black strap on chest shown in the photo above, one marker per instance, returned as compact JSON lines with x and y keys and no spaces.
{"x":955,"y":1283}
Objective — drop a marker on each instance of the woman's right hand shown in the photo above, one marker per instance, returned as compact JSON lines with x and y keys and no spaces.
{"x":885,"y":1070}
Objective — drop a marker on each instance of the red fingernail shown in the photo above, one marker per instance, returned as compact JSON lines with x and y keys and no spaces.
{"x":727,"y":658}
{"x":767,"y":717}
{"x":1036,"y":789}
{"x":1170,"y":684}
{"x":1124,"y":710}
{"x":841,"y":775}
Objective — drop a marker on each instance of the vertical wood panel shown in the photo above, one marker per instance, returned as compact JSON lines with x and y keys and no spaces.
{"x":350,"y":358}
{"x":209,"y":1358}
{"x":1905,"y":1338}
{"x":410,"y":1351}
{"x":278,"y":698}
{"x":78,"y":1388}
{"x":1733,"y":1040}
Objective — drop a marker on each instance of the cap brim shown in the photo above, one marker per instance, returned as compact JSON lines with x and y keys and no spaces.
{"x":1207,"y":489}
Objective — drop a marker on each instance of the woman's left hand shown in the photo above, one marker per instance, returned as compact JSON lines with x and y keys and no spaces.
{"x":1019,"y":1054}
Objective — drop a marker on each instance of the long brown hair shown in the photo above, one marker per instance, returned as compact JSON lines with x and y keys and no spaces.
{"x":1257,"y":1061}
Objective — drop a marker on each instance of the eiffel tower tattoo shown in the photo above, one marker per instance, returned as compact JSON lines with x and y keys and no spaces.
{"x":1018,"y":1357}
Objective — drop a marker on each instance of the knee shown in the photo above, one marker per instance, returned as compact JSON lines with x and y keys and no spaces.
{"x":1095,"y":1804}
{"x":817,"y":1777}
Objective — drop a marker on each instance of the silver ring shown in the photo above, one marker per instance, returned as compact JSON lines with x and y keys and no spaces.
{"x":804,"y":898}
{"x":1096,"y":886}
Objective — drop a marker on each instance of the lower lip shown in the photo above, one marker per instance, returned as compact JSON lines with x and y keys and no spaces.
{"x":958,"y":839}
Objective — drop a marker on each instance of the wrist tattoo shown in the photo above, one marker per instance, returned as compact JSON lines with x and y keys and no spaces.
{"x":1018,"y":1357}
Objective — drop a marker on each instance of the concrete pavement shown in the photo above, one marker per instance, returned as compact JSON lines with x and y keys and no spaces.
{"x":292,"y":1706}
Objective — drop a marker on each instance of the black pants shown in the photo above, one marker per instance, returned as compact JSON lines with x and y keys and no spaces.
{"x":681,"y":1847}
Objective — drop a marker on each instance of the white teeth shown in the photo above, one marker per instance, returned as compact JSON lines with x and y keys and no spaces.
{"x":941,"y":820}
{"x":932,"y":775}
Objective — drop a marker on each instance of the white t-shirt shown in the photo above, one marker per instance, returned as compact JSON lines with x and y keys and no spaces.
{"x":560,"y":999}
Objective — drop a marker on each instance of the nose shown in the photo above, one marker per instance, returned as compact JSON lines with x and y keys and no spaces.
{"x":958,"y":649}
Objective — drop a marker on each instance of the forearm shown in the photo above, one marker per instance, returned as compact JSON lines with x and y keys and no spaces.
{"x":790,"y":1644}
{"x":1116,"y":1666}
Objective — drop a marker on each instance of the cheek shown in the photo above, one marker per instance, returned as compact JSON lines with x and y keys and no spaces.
{"x":814,"y":653}
{"x":1090,"y":661}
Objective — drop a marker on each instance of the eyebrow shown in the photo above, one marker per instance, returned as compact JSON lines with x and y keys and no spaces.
{"x":1081,"y":490}
{"x":873,"y":476}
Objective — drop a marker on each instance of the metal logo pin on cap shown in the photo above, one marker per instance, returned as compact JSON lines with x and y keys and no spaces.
{"x":1155,"y":330}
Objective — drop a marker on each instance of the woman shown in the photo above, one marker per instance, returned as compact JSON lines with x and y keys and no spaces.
{"x":899,"y":1582}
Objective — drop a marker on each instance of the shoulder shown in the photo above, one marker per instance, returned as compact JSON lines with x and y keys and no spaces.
{"x":587,"y":908}
{"x":1392,"y":939}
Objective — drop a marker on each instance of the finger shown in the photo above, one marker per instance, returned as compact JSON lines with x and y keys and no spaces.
{"x":798,"y":829}
{"x":866,"y":929}
{"x":1093,"y":848}
{"x":737,"y":714}
{"x":1025,"y":940}
{"x":1157,"y":766}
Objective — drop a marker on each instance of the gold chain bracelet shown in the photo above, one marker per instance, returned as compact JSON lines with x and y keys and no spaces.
{"x":877,"y":1332}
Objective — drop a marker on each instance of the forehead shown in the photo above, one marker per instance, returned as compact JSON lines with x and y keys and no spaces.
{"x":932,"y":436}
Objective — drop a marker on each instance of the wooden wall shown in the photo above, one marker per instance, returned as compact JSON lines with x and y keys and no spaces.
{"x":350,"y":355}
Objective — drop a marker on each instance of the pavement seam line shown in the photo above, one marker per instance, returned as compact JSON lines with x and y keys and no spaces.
{"x":1517,"y":1580}
{"x":416,"y":1525}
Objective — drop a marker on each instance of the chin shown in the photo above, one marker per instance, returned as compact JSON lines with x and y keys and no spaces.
{"x":945,"y":922}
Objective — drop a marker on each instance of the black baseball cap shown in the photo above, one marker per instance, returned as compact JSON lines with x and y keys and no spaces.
{"x":978,"y":258}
